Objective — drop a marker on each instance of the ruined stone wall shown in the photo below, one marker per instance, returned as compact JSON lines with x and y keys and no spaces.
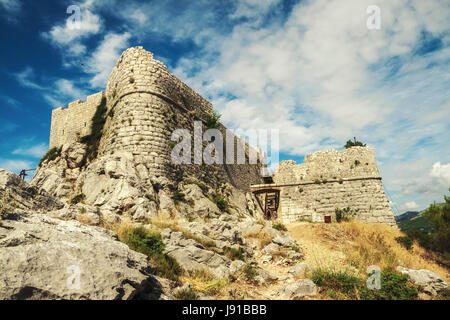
{"x":69,"y":124}
{"x":330,"y":180}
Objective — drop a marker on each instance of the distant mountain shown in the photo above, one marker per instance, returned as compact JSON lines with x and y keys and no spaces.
{"x":406,"y":216}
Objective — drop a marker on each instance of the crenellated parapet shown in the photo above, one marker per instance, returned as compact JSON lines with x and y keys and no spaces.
{"x":330,"y":180}
{"x":69,"y":124}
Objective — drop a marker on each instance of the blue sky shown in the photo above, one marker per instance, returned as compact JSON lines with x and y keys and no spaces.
{"x":311,"y":69}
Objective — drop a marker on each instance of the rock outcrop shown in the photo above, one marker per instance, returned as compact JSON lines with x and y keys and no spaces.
{"x":428,"y":281}
{"x":46,"y":258}
{"x":16,"y":193}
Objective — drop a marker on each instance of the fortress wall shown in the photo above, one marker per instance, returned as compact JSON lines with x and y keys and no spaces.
{"x":314,"y":201}
{"x":148,"y":104}
{"x":355,"y":162}
{"x":69,"y":124}
{"x":330,"y":180}
{"x":145,"y":104}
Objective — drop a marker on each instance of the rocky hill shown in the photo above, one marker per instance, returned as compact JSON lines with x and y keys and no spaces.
{"x":185,"y":244}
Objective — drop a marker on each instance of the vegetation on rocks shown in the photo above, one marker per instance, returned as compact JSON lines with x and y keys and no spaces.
{"x":250,"y":272}
{"x":234,"y":254}
{"x":343,"y":285}
{"x":92,"y":141}
{"x":212,"y":120}
{"x":354,"y":143}
{"x":436,"y":239}
{"x":345,"y":214}
{"x":405,"y":241}
{"x":279,"y":226}
{"x":221,"y":203}
{"x":150,"y":243}
{"x":186,"y":294}
{"x":51,"y":155}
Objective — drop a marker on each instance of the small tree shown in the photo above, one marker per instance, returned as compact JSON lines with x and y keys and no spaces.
{"x":354,"y":143}
{"x":212,"y":120}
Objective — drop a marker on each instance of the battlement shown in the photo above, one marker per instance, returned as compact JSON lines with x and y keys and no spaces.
{"x":330,"y":180}
{"x":355,"y":162}
{"x":73,"y":122}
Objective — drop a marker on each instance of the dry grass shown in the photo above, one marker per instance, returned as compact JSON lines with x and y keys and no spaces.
{"x":263,"y":238}
{"x":203,"y":281}
{"x":208,"y":244}
{"x":353,"y":246}
{"x":376,"y":244}
{"x":86,"y":219}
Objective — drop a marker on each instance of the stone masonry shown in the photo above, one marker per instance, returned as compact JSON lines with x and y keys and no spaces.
{"x":330,"y":180}
{"x":69,"y":124}
{"x":145,"y":104}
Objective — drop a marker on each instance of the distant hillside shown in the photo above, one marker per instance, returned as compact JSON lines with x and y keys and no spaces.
{"x":406,"y":216}
{"x":414,"y":221}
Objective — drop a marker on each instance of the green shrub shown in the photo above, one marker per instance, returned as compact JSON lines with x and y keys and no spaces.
{"x":438,"y":237}
{"x":221,"y":202}
{"x":337,"y":281}
{"x":250,"y":272}
{"x":354,"y":143}
{"x":186,"y":294}
{"x":51,"y":155}
{"x":279,"y":227}
{"x":234,"y":254}
{"x":92,"y":141}
{"x":178,"y":197}
{"x":345,"y":214}
{"x":139,"y":239}
{"x":212,"y":120}
{"x":405,"y":242}
{"x":394,"y":286}
{"x":151,"y":244}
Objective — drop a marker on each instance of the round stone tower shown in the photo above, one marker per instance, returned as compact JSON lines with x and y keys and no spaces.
{"x":138,"y":100}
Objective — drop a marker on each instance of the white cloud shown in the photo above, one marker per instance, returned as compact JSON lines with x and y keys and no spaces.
{"x":322,"y":77}
{"x":36,"y":151}
{"x":442,"y":173}
{"x":12,"y":6}
{"x":58,"y":93}
{"x":26,"y":79}
{"x":104,"y":58}
{"x":15,"y":165}
{"x":67,"y":89}
{"x":411,"y":205}
{"x":68,"y":37}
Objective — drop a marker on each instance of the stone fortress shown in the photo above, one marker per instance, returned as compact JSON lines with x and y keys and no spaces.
{"x":145,"y":104}
{"x":330,"y":180}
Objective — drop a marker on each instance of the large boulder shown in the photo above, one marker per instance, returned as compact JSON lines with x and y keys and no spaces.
{"x":47,"y":258}
{"x":192,"y":256}
{"x":23,"y":196}
{"x":430,"y":282}
{"x":299,"y":289}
